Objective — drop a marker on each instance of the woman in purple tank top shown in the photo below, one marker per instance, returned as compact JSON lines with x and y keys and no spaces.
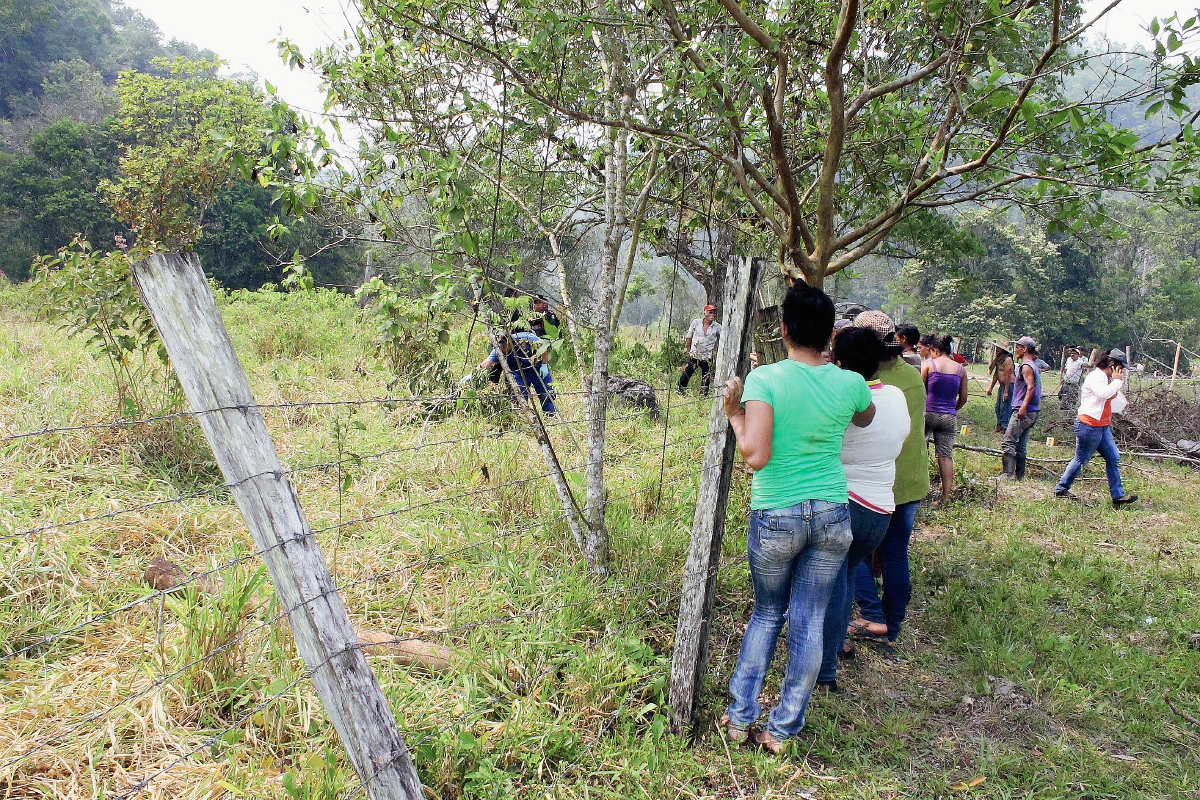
{"x":945,"y":393}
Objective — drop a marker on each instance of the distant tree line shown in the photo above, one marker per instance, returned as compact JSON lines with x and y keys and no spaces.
{"x":61,"y":137}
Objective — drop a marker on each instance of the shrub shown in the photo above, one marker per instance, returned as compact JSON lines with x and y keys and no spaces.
{"x":93,"y":298}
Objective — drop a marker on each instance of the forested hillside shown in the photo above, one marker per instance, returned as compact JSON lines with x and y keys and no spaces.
{"x":61,"y":136}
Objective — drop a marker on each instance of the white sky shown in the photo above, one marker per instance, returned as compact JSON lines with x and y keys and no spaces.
{"x":241,"y":31}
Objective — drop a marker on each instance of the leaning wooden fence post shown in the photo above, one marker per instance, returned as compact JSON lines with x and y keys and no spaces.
{"x":708,"y":526}
{"x":185,"y":313}
{"x":1175,"y":369}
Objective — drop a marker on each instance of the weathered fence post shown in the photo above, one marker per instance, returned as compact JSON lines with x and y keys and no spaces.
{"x":1174,"y":369}
{"x":708,"y":526}
{"x":185,"y":312}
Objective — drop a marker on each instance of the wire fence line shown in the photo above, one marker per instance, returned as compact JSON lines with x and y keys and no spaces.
{"x":96,"y":717}
{"x":120,"y":424}
{"x":323,"y":465}
{"x":198,"y":578}
{"x":340,"y":588}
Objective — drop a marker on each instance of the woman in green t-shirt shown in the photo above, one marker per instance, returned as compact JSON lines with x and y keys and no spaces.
{"x":789,"y":431}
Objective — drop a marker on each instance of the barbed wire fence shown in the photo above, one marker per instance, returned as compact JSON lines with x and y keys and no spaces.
{"x":36,"y":746}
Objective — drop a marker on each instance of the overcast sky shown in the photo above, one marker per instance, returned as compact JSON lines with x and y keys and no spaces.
{"x":241,"y":31}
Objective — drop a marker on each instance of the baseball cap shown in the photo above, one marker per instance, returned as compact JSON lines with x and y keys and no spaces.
{"x":710,"y":308}
{"x":1028,"y":341}
{"x":876,"y":321}
{"x":841,"y":324}
{"x":1118,"y":355}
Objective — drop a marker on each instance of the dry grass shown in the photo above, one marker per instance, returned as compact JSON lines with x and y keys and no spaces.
{"x":559,"y":693}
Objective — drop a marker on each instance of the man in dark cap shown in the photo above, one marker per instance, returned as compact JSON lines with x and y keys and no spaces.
{"x":1026,"y":403}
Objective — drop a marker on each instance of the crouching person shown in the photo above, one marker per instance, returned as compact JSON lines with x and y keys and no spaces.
{"x":529,"y":361}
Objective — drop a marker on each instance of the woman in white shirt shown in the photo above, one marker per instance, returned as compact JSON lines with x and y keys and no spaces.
{"x":869,"y":458}
{"x":1100,"y":398}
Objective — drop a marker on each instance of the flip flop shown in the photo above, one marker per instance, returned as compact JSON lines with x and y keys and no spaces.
{"x":861,"y":631}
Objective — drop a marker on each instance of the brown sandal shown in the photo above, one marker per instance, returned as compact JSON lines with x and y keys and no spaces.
{"x":767,"y":742}
{"x":735,"y":734}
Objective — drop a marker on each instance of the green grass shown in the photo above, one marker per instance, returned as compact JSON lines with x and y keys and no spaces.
{"x":1042,"y":638}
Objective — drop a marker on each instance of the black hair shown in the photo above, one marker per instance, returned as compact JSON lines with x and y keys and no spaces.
{"x":859,"y":350}
{"x":807,"y":316}
{"x":940,"y":343}
{"x":910,"y":333}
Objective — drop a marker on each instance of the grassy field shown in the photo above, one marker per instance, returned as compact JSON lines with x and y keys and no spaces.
{"x":1043,"y":639}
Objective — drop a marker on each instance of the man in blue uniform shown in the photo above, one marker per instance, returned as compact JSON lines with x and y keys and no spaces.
{"x":528,"y":363}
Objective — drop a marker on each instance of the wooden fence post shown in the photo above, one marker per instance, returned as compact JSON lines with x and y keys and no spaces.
{"x":708,"y":526}
{"x":185,"y":313}
{"x":1175,"y":369}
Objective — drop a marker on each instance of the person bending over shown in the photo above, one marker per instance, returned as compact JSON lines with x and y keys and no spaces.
{"x":789,"y":431}
{"x":529,"y":361}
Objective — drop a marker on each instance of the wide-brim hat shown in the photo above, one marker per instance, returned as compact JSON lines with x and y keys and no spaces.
{"x":882,"y":325}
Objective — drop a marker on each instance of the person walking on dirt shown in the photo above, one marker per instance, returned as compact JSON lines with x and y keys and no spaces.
{"x":529,"y":361}
{"x":869,"y":458}
{"x":945,"y":393}
{"x":1100,"y":398}
{"x":701,"y":345}
{"x":1026,"y":400}
{"x":789,"y":423}
{"x":1003,"y":373}
{"x":881,"y":619}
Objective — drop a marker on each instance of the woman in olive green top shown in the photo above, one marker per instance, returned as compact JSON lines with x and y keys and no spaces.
{"x":881,"y":619}
{"x":790,"y":433}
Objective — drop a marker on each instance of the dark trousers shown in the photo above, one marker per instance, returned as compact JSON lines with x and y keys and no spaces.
{"x":1014,"y":447}
{"x":705,"y":376}
{"x":897,"y":582}
{"x":1003,"y":406}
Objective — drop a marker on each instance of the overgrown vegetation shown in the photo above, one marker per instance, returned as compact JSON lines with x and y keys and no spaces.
{"x":1042,"y":643}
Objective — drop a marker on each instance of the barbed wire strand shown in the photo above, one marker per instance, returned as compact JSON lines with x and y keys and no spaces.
{"x":296,"y":470}
{"x":198,"y":577}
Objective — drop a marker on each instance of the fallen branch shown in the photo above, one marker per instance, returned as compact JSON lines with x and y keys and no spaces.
{"x":991,"y":451}
{"x":1186,"y":716}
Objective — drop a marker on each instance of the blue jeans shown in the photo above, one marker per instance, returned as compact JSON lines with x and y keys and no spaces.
{"x":897,"y":585}
{"x":1089,"y":440}
{"x":542,"y":384}
{"x":868,"y":528}
{"x":795,"y":554}
{"x":1003,"y":406}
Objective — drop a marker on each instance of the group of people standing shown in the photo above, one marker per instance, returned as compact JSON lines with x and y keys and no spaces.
{"x":836,"y":436}
{"x":1097,"y":397}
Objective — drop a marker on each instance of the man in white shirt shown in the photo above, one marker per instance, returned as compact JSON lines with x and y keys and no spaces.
{"x":1068,"y":391}
{"x":701,"y":345}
